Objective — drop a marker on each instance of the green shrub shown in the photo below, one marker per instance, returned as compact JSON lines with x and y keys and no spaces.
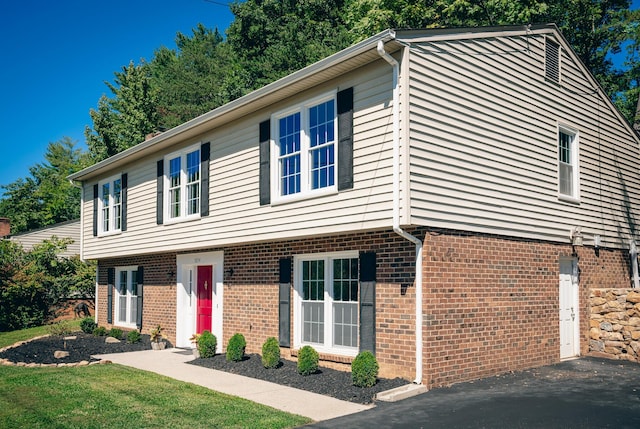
{"x":88,"y":325}
{"x":364,"y":369}
{"x":60,"y":328}
{"x":115,"y":333}
{"x":307,"y":360}
{"x":235,"y":348}
{"x":100,"y":331}
{"x":270,"y":353}
{"x":133,"y":337}
{"x":206,"y":344}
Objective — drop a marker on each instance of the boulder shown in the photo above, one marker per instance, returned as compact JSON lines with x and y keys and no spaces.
{"x":59,"y":354}
{"x":111,"y":340}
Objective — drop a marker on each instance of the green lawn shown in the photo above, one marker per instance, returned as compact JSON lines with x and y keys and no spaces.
{"x":115,"y":396}
{"x":9,"y":338}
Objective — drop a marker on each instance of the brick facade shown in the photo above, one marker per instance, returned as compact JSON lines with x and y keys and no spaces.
{"x":5,"y":227}
{"x":490,"y":304}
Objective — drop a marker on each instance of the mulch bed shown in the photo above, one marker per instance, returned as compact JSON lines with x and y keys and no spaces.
{"x":326,"y":381}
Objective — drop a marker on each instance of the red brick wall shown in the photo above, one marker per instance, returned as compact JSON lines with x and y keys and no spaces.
{"x":490,"y":304}
{"x":5,"y":227}
{"x":159,"y":291}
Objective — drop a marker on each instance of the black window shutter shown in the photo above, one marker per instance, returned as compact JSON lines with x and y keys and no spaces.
{"x":368,"y":301}
{"x":205,"y":157}
{"x":111,"y":277}
{"x":345,"y":139}
{"x":95,"y":210}
{"x":160,"y":192}
{"x":124,"y":181}
{"x":265,"y":163}
{"x":284,"y":301}
{"x":140,"y":283}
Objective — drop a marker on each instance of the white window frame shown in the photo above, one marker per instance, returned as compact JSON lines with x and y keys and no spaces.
{"x":131,"y":300}
{"x":113,"y":208}
{"x":574,"y":196}
{"x":183,"y":186}
{"x":306,"y":190}
{"x":327,"y":346}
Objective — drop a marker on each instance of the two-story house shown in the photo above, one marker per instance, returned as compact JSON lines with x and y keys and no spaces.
{"x":444,"y":198}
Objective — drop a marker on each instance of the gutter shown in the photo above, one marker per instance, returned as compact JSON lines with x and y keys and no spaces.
{"x":396,"y":208}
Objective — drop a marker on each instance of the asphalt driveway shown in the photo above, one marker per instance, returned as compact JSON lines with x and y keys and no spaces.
{"x":581,"y":393}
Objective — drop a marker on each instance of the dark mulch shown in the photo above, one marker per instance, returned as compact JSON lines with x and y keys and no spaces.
{"x":326,"y":381}
{"x":82,"y":348}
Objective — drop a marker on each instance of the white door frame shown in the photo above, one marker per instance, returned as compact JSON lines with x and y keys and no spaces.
{"x":186,"y":295}
{"x":569,"y":308}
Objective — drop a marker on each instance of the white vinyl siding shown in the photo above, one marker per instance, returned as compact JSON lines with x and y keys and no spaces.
{"x":484,"y":144}
{"x":236,"y":215}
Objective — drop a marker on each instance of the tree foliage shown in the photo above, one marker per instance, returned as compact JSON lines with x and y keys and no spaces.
{"x":45,"y":197}
{"x":31,"y":282}
{"x":125,"y":119}
{"x":198,"y":76}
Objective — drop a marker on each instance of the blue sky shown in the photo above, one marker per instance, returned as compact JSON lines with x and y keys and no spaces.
{"x":56,"y":57}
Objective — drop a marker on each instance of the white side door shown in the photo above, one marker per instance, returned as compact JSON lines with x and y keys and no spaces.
{"x":569,"y":309}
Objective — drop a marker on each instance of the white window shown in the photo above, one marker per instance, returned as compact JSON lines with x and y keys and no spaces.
{"x":110,"y":206}
{"x":126,"y":296}
{"x":568,"y":185}
{"x":304,"y":149}
{"x":182,"y":184}
{"x":326,"y":303}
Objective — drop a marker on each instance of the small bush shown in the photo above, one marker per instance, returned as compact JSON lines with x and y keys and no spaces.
{"x":235,"y":348}
{"x":60,"y":328}
{"x":307,"y":360}
{"x":88,"y":325}
{"x":133,"y":337}
{"x":206,"y":344}
{"x":270,"y":353}
{"x":100,"y":331}
{"x":115,"y":333}
{"x":364,"y":369}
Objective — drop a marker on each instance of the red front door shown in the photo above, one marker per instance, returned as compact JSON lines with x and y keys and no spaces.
{"x":205,"y":303}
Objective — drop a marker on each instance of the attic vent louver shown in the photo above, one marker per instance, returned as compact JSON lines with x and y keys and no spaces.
{"x":552,"y":61}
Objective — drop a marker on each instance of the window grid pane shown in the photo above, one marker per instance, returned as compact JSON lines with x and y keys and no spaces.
{"x":117,"y":204}
{"x":105,"y":207}
{"x":289,"y":156}
{"x":565,"y":163}
{"x":322,"y":139}
{"x":193,"y":182}
{"x":174,"y":187}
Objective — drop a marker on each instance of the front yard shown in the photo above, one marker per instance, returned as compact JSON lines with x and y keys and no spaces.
{"x":112,"y":396}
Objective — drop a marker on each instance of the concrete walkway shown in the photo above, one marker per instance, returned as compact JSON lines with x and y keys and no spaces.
{"x":173,"y":363}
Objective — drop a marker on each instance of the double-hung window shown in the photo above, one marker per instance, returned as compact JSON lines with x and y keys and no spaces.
{"x":568,"y":185}
{"x":182,"y":184}
{"x":326,"y":303}
{"x":304,"y":148}
{"x":126,"y":296}
{"x":110,"y":206}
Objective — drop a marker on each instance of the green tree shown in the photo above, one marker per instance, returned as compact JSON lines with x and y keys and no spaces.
{"x":124,"y":120}
{"x":46,"y":197}
{"x":276,"y":37}
{"x":198,"y":76}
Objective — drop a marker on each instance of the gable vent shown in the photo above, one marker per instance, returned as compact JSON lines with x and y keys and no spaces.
{"x":552,"y":61}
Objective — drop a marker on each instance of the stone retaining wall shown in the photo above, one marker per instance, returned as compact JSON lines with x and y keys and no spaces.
{"x":615,"y":324}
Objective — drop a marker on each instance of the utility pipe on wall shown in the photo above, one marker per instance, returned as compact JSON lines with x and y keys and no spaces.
{"x":396,"y":208}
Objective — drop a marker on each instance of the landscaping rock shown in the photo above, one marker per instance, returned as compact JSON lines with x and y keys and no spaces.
{"x":59,"y":354}
{"x":111,"y":340}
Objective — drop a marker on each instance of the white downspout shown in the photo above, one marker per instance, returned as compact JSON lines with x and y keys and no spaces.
{"x":396,"y":208}
{"x":633,"y":256}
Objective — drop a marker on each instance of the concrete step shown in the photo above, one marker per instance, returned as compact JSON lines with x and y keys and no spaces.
{"x":400,"y":393}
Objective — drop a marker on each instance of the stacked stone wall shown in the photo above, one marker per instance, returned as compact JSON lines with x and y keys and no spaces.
{"x":615,"y":324}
